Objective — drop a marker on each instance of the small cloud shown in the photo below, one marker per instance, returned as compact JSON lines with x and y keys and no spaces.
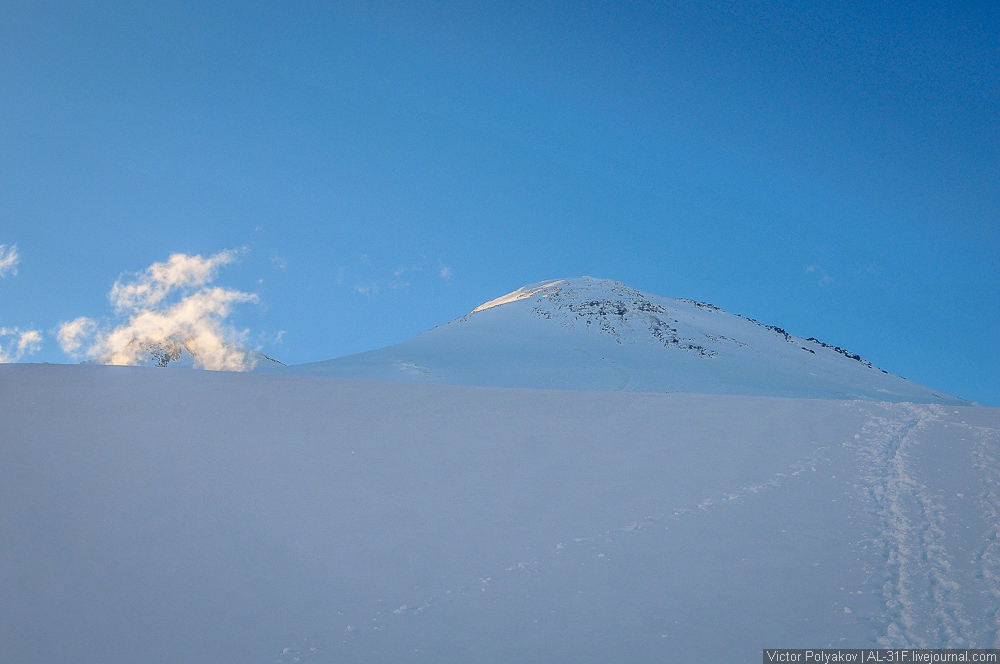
{"x":369,"y":288}
{"x":170,"y":304}
{"x":71,"y":335}
{"x":824,"y":278}
{"x":8,"y":260}
{"x":366,"y":279}
{"x":278,"y":262}
{"x":29,"y":342}
{"x":179,"y":272}
{"x":23,"y":343}
{"x":269,"y":338}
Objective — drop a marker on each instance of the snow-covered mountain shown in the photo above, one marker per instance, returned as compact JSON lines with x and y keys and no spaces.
{"x":595,"y":334}
{"x":679,"y":501}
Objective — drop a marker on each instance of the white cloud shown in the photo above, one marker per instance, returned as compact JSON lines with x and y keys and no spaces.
{"x":29,"y":342}
{"x":194,"y":322}
{"x":8,"y":260}
{"x":73,"y":335}
{"x":23,"y":343}
{"x":369,"y":280}
{"x":369,"y":288}
{"x":824,"y":278}
{"x":179,"y":272}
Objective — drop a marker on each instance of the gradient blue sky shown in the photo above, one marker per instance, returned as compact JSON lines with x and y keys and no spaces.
{"x":827,"y":167}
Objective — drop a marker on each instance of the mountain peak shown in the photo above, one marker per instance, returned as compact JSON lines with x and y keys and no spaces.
{"x":520,"y":294}
{"x":625,"y":314}
{"x":598,"y":334}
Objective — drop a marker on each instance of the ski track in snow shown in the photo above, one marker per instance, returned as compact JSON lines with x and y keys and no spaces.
{"x":922,"y":600}
{"x":987,"y":557}
{"x":631,"y":528}
{"x":922,"y":594}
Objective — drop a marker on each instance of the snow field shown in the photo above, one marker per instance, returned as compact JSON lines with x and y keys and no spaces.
{"x":164,"y":516}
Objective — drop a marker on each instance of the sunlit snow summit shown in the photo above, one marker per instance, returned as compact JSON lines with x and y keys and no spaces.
{"x":597,"y":334}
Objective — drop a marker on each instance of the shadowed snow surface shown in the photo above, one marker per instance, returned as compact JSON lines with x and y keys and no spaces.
{"x":593,"y":334}
{"x":156,"y":516}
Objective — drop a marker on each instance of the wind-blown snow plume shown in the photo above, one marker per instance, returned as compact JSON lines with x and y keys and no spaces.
{"x":8,"y":260}
{"x":194,"y":322}
{"x":24,"y":343}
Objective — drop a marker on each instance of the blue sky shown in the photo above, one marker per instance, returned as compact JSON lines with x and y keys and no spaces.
{"x":827,"y":168}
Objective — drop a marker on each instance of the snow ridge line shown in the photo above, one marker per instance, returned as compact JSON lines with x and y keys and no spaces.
{"x":912,"y":536}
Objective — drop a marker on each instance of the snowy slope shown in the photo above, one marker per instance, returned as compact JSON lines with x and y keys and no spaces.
{"x":162,"y":516}
{"x":592,"y":334}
